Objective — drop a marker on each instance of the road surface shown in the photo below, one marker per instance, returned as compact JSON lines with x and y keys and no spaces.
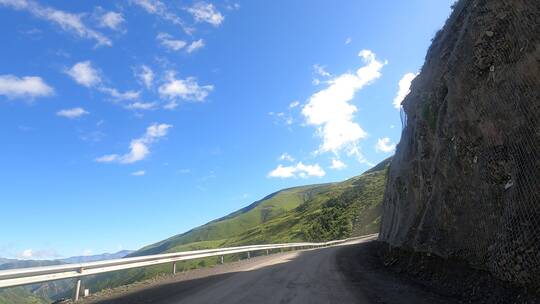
{"x":326,"y":275}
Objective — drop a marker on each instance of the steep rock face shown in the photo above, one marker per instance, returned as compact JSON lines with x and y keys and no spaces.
{"x":465,"y":180}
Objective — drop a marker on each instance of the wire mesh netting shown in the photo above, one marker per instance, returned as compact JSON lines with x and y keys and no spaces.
{"x":465,"y":181}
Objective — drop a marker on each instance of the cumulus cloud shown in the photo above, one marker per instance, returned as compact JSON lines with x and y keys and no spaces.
{"x":404,"y":89}
{"x":298,"y":170}
{"x":170,"y":42}
{"x":26,"y":87}
{"x":206,"y":12}
{"x":337,"y":164}
{"x":331,"y":112}
{"x":384,"y":145}
{"x":139,"y":173}
{"x":287,"y":157}
{"x":112,"y":20}
{"x":67,"y":21}
{"x":72,"y":113}
{"x":186,"y":89}
{"x":139,"y":148}
{"x":158,"y":8}
{"x":195,"y":45}
{"x":146,"y":76}
{"x":84,"y":74}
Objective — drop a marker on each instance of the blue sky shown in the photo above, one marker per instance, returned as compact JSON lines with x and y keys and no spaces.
{"x":125,"y":123}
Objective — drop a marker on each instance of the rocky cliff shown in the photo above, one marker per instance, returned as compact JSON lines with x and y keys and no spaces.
{"x":465,"y":180}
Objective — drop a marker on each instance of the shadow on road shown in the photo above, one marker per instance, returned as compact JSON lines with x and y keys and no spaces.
{"x":344,"y":274}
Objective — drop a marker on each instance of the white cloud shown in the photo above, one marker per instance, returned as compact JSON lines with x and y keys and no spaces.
{"x":287,"y":157}
{"x":321,"y":70}
{"x":139,"y":173}
{"x":348,"y":40}
{"x":158,"y":8}
{"x":112,"y":20}
{"x":151,"y":6}
{"x":27,"y":254}
{"x":195,"y":45}
{"x":117,"y":95}
{"x":332,"y":113}
{"x":337,"y":164}
{"x":72,"y":113}
{"x":171,"y":105}
{"x":404,"y":89}
{"x":298,"y":170}
{"x":170,"y":42}
{"x":206,"y":12}
{"x":294,"y":104}
{"x":84,"y":74}
{"x":67,"y":21}
{"x":26,"y":87}
{"x":187,"y":89}
{"x":384,"y":145}
{"x":139,"y":147}
{"x":146,"y":76}
{"x":142,"y":106}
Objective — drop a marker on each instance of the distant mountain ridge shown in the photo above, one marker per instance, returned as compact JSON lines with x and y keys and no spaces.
{"x":4,"y":260}
{"x":97,"y":257}
{"x":17,"y":263}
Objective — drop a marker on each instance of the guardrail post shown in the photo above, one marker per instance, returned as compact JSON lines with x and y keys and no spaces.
{"x":77,"y":290}
{"x":249,"y":255}
{"x":174,"y":268}
{"x":222,"y":260}
{"x":77,"y":287}
{"x":267,"y":252}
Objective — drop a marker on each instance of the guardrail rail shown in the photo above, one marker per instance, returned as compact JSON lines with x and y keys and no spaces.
{"x":26,"y":276}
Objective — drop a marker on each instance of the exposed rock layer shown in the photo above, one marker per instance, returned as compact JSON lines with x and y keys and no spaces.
{"x":465,"y":180}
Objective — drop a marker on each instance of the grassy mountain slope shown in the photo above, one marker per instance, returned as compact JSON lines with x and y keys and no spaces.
{"x":210,"y":234}
{"x":338,"y":210}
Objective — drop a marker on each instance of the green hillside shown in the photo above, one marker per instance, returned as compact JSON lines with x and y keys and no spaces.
{"x":268,"y":208}
{"x":339,"y":210}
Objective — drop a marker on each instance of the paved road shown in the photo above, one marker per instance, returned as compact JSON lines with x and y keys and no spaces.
{"x":312,"y":276}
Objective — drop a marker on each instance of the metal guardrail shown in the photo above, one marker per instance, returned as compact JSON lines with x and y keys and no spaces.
{"x":26,"y":276}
